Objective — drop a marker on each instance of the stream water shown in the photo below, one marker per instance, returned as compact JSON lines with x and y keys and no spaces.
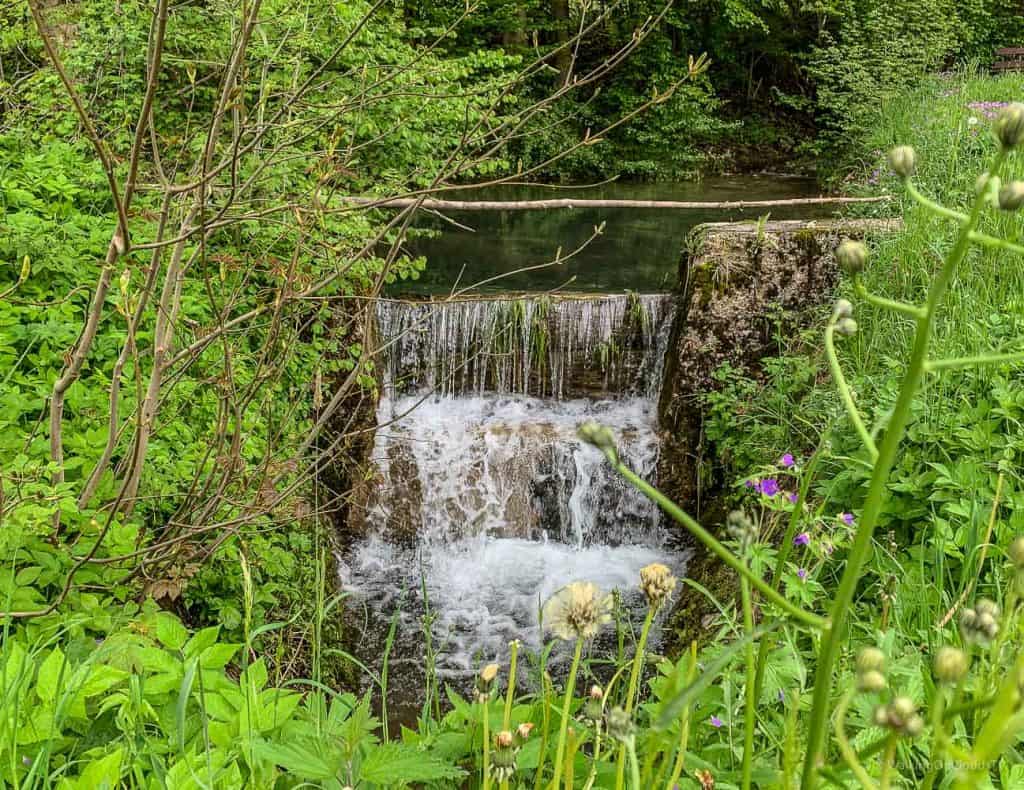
{"x":486,"y":502}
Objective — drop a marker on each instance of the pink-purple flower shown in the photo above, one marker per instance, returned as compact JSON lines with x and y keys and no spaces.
{"x":787,"y":460}
{"x":769,"y":486}
{"x":793,"y":498}
{"x":802,"y":539}
{"x":716,"y":722}
{"x":847,"y":519}
{"x":802,"y":574}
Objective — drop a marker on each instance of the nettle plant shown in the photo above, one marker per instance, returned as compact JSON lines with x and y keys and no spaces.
{"x":972,"y":714}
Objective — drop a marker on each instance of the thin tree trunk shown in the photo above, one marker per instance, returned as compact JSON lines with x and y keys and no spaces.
{"x":555,"y":203}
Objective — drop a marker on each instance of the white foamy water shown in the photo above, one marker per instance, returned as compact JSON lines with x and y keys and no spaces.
{"x":488,"y":503}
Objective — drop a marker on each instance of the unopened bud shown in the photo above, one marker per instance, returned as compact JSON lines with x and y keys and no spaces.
{"x":489,"y":673}
{"x":846,"y":327}
{"x":870,"y":659}
{"x":852,"y":256}
{"x":950,"y":664}
{"x":843,"y":309}
{"x":903,"y":161}
{"x":596,"y":693}
{"x":26,"y":267}
{"x":1011,"y":196}
{"x":600,"y":436}
{"x":524,"y":729}
{"x":504,"y":740}
{"x":1016,"y":552}
{"x":1009,"y":126}
{"x":871,"y":682}
{"x":619,"y":724}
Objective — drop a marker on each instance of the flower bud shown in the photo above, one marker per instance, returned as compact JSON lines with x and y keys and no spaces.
{"x":524,"y":730}
{"x":902,"y":708}
{"x":903,"y":161}
{"x":741,"y":528}
{"x":657,"y":582}
{"x":1016,"y":552}
{"x":843,"y":309}
{"x":489,"y":673}
{"x":596,"y":693}
{"x":26,"y":268}
{"x":619,"y":724}
{"x":914,"y":726}
{"x":870,"y":659}
{"x":852,"y":256}
{"x":1011,"y":196}
{"x":871,"y":682}
{"x":846,"y":327}
{"x":485,"y":682}
{"x":1009,"y":126}
{"x":950,"y":664}
{"x":600,"y":436}
{"x":503,"y":740}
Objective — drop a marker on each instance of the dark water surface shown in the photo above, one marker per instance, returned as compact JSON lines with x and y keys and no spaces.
{"x":638,"y":251}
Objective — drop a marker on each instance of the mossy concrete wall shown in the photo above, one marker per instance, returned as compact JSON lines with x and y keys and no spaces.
{"x":741,"y":284}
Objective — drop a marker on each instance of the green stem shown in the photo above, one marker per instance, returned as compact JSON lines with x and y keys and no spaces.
{"x":861,"y":547}
{"x":634,"y":680}
{"x":887,"y":760}
{"x":634,"y":767}
{"x":726,"y":556}
{"x":938,"y":746}
{"x":845,"y":394}
{"x":487,"y":746}
{"x":570,"y":685}
{"x":748,"y":712}
{"x":511,"y":690}
{"x":992,"y":242}
{"x":888,"y":304}
{"x":684,"y":727}
{"x":545,"y":725}
{"x":935,"y":365}
{"x":849,"y":755}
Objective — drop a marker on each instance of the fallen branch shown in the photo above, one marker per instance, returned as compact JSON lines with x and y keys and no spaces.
{"x":533,"y":205}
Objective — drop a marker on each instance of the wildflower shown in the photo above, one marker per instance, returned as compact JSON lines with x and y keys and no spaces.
{"x":852,"y":256}
{"x":593,"y":708}
{"x":752,"y":483}
{"x":1009,"y":126}
{"x":843,"y":309}
{"x":870,"y":659}
{"x":706,"y":778}
{"x":787,"y":460}
{"x":485,"y":682}
{"x":801,"y":574}
{"x":769,"y":487}
{"x":846,"y":327}
{"x":901,"y":716}
{"x":903,"y":161}
{"x":619,"y":724}
{"x":503,"y":763}
{"x":972,"y":121}
{"x":782,"y":695}
{"x":601,"y":437}
{"x":802,"y":539}
{"x":657,"y":582}
{"x":871,"y":682}
{"x":951,"y":664}
{"x":846,"y":518}
{"x":1011,"y":196}
{"x":715,"y":721}
{"x":577,"y":611}
{"x":523,"y":730}
{"x":980,"y":625}
{"x":793,"y":498}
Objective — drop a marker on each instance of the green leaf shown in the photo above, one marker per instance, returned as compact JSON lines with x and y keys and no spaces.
{"x":394,"y":763}
{"x":52,"y":674}
{"x":201,"y":640}
{"x":217,"y":656}
{"x":299,"y":760}
{"x":181,"y":710}
{"x":102,"y":774}
{"x":169,"y":630}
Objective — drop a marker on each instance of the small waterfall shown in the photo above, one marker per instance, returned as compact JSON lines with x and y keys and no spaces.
{"x":487,"y":501}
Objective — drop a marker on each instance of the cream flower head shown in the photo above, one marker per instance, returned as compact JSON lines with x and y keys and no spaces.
{"x":657,"y":582}
{"x":577,"y":611}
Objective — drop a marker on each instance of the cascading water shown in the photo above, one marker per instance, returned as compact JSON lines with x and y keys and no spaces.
{"x":488,"y":502}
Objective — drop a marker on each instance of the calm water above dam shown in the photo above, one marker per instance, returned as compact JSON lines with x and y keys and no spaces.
{"x":639,"y":249}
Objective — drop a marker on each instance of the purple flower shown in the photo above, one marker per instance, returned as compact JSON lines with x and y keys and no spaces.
{"x":802,"y":574}
{"x":769,"y":487}
{"x":802,"y":539}
{"x":846,"y":518}
{"x":716,"y":722}
{"x":752,"y":483}
{"x":787,"y":460}
{"x":793,"y":498}
{"x":782,"y":695}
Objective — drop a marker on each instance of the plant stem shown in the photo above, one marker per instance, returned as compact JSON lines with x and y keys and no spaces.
{"x":487,"y":745}
{"x":832,"y":635}
{"x":570,"y":685}
{"x":545,"y":725}
{"x":720,"y":551}
{"x":751,"y":669}
{"x":511,"y":690}
{"x":634,"y":679}
{"x":845,"y":394}
{"x":634,"y":767}
{"x":887,"y":759}
{"x":849,"y":755}
{"x":684,"y":726}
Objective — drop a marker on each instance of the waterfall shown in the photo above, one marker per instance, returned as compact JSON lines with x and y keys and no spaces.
{"x":486,"y":501}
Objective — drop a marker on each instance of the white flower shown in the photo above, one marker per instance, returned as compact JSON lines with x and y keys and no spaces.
{"x":577,"y":611}
{"x":972,"y":121}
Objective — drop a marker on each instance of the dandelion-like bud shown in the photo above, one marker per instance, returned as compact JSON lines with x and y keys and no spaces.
{"x":846,"y":327}
{"x":503,"y":762}
{"x":503,"y":740}
{"x":485,"y":682}
{"x":980,"y":625}
{"x":903,"y":161}
{"x":870,"y":659}
{"x":600,"y":436}
{"x":1009,"y":126}
{"x":1011,"y":196}
{"x":901,"y":716}
{"x":593,"y":708}
{"x":619,"y":725}
{"x":871,"y":682}
{"x":577,"y":611}
{"x":1016,"y":552}
{"x":981,"y":183}
{"x":741,"y":528}
{"x":950,"y":665}
{"x":843,"y":309}
{"x":657,"y":582}
{"x":852,"y":256}
{"x":523,"y":730}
